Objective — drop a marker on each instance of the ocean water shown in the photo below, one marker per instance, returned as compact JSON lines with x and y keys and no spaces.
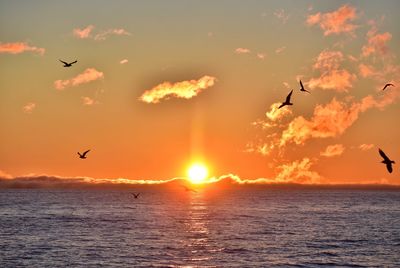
{"x":238,"y":227}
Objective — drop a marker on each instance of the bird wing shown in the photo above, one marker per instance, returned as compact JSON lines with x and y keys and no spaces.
{"x":74,"y":62}
{"x":301,"y":84}
{"x":84,"y":153}
{"x":384,"y":155}
{"x":79,"y":154}
{"x":387,"y":85}
{"x":289,"y":96}
{"x":63,"y":62}
{"x":389,"y":167}
{"x":280,"y":106}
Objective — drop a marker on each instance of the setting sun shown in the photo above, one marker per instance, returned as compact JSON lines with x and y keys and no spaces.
{"x":197,"y":173}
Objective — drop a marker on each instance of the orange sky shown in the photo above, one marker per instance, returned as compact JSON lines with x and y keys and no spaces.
{"x":160,"y":85}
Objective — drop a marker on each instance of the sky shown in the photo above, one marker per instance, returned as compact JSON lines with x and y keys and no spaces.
{"x":162,"y":84}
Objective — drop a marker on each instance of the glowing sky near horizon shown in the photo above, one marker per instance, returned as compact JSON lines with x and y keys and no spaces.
{"x":162,"y":84}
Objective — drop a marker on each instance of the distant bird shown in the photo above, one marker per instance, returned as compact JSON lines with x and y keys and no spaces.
{"x":66,"y":64}
{"x":189,"y":189}
{"x":83,"y":156}
{"x":287,"y":101}
{"x":135,"y":195}
{"x":302,"y":88}
{"x":387,"y":85}
{"x":386,"y":161}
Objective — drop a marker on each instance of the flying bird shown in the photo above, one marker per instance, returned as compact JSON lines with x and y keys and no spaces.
{"x":387,"y":85}
{"x":66,"y":64}
{"x":386,"y":161}
{"x":135,"y":195}
{"x":302,"y":88}
{"x":287,"y":101}
{"x":83,"y":156}
{"x":189,"y":189}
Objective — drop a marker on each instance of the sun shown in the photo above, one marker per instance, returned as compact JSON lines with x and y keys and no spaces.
{"x":197,"y":173}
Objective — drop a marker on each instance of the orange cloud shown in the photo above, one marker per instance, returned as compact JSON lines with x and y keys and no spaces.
{"x":19,"y":47}
{"x":261,"y":56}
{"x":298,"y":171}
{"x":279,"y":50}
{"x":83,"y":33}
{"x":88,"y":101}
{"x":29,"y":107}
{"x":376,"y":43}
{"x":333,"y":150}
{"x":335,"y":22}
{"x":365,"y":147}
{"x":366,"y":70}
{"x":87,"y":76}
{"x":276,"y":114}
{"x":331,"y":76}
{"x":184,"y":89}
{"x":86,"y":33}
{"x":241,"y":50}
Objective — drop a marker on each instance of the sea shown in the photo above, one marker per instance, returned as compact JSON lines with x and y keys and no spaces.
{"x":231,"y":227}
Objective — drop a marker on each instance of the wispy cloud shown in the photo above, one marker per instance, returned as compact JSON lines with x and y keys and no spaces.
{"x":185,"y":89}
{"x":83,"y":33}
{"x":261,"y":56}
{"x":241,"y":50}
{"x":298,"y":171}
{"x":280,"y":50}
{"x":331,"y":76}
{"x":336,"y":22}
{"x":20,"y":47}
{"x":88,"y":33}
{"x":87,"y":76}
{"x":333,"y":150}
{"x":87,"y":101}
{"x":281,"y":15}
{"x":376,"y":43}
{"x":29,"y":107}
{"x":124,"y":61}
{"x":366,"y":147}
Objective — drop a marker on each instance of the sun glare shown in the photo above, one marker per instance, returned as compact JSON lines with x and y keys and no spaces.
{"x":197,"y":173}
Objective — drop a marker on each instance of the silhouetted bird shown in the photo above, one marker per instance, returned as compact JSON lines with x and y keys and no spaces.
{"x":387,"y":85}
{"x":135,"y":195}
{"x":302,"y":88}
{"x":386,"y":161}
{"x":66,"y":64}
{"x":189,"y":189}
{"x":287,"y":101}
{"x":83,"y":156}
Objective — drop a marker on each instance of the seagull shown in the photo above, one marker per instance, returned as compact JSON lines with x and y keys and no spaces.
{"x":83,"y":156}
{"x":302,"y":88}
{"x":66,"y":64}
{"x":189,"y":189}
{"x":135,"y":195}
{"x":287,"y":101}
{"x":386,"y":161}
{"x":387,"y":85}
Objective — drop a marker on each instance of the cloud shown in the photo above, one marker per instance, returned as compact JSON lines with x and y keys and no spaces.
{"x":376,"y":43}
{"x":366,"y":70}
{"x":124,"y":61}
{"x":88,"y":32}
{"x":89,"y":75}
{"x":241,"y":50}
{"x":335,"y":22}
{"x":29,"y":107}
{"x":279,"y":50}
{"x":4,"y":175}
{"x":333,"y":150}
{"x":20,"y":47}
{"x":185,"y":89}
{"x":298,"y":171}
{"x":104,"y":35}
{"x":366,"y":147}
{"x":261,"y":56}
{"x":275,"y":113}
{"x":331,"y":76}
{"x":87,"y":101}
{"x":83,"y":33}
{"x":281,"y":15}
